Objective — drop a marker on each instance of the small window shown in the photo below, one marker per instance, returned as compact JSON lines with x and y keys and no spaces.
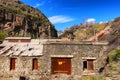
{"x":35,"y":64}
{"x":12,"y":63}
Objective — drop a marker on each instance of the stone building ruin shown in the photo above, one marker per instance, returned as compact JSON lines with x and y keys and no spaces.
{"x":32,"y":59}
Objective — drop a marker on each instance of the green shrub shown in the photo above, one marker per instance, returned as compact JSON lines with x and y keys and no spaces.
{"x":114,"y":55}
{"x":2,"y":36}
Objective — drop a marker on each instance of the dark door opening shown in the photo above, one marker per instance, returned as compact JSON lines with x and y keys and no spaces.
{"x":84,"y":65}
{"x":22,"y":78}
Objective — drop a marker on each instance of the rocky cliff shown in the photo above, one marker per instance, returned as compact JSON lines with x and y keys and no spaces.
{"x":18,"y":19}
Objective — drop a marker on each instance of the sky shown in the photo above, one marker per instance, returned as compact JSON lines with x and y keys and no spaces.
{"x":66,"y":13}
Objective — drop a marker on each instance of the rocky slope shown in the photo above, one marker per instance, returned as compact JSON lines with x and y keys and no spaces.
{"x":86,"y":31}
{"x":83,"y":31}
{"x":18,"y":19}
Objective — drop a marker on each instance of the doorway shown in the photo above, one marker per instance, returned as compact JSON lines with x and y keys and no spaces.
{"x":61,"y":65}
{"x":22,"y":78}
{"x":88,"y":65}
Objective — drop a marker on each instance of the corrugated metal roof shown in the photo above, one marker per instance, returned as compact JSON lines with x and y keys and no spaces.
{"x":5,"y":49}
{"x":18,"y":49}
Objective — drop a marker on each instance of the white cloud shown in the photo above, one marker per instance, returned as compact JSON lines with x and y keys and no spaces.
{"x":39,"y":4}
{"x":101,"y":22}
{"x":60,"y":19}
{"x":90,"y":20}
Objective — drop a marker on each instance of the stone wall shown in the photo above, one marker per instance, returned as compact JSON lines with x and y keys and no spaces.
{"x":23,"y":67}
{"x":78,"y":52}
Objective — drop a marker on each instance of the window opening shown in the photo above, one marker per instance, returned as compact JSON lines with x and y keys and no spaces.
{"x":35,"y":64}
{"x":12,"y":63}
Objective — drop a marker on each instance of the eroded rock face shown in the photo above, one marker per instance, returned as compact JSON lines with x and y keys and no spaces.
{"x":17,"y":19}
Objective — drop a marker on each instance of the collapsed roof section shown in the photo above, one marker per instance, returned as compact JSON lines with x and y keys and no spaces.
{"x":21,"y":47}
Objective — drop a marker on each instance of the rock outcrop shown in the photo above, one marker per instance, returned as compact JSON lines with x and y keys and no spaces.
{"x":102,"y":32}
{"x":18,"y":19}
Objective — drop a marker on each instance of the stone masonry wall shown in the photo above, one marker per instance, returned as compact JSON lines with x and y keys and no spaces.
{"x":23,"y":68}
{"x":78,"y":51}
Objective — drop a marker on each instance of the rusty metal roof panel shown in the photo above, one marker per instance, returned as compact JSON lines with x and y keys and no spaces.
{"x":18,"y":38}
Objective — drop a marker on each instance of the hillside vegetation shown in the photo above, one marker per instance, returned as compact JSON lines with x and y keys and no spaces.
{"x":83,"y":31}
